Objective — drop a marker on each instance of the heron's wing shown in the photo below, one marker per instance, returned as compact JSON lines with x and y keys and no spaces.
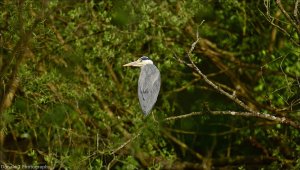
{"x":148,"y":87}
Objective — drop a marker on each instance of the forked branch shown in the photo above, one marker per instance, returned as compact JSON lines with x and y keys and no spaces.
{"x":249,"y":111}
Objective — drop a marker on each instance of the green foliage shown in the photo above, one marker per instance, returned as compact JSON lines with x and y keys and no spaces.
{"x":76,"y":107}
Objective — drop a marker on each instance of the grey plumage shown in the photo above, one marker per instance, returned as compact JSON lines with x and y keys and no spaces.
{"x":148,"y":87}
{"x":149,"y":83}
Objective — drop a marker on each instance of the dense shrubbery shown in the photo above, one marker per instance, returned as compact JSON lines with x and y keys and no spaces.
{"x":66,"y":100}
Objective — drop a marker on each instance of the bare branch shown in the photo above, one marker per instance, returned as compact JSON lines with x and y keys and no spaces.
{"x":278,"y":2}
{"x":271,"y":19}
{"x":296,"y":12}
{"x":183,"y":116}
{"x":281,"y":120}
{"x":250,"y":111}
{"x":216,"y":87}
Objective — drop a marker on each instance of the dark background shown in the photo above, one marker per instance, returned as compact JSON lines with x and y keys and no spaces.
{"x":67,"y":102}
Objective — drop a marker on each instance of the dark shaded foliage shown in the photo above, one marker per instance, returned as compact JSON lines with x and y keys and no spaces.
{"x":67,"y":102}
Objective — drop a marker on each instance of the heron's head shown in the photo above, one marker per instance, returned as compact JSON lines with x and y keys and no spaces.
{"x":140,"y":62}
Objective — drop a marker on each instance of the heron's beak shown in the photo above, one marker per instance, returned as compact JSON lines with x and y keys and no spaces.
{"x":133,"y":64}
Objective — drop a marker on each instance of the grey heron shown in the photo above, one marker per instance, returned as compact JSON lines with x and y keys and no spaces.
{"x":149,"y":83}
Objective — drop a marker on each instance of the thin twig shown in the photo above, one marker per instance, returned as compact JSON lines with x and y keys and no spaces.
{"x":278,"y":2}
{"x":271,"y":20}
{"x":126,"y":143}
